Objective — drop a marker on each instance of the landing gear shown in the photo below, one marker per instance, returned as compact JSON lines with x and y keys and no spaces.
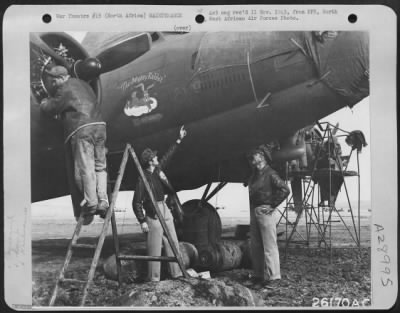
{"x":206,"y":196}
{"x":201,"y":224}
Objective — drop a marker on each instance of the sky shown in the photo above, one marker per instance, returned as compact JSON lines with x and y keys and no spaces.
{"x":235,"y":196}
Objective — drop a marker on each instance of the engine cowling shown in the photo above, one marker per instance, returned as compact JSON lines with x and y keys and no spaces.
{"x":50,"y":49}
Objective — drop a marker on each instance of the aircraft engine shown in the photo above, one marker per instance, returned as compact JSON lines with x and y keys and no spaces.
{"x":46,"y":51}
{"x":299,"y":149}
{"x":49,"y":49}
{"x":291,"y":148}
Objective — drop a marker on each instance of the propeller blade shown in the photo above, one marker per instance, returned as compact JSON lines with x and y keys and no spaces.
{"x":124,"y":52}
{"x":40,"y":43}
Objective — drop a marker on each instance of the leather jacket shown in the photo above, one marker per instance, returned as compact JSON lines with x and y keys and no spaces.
{"x":77,"y":105}
{"x":266,"y":187}
{"x":141,"y":203}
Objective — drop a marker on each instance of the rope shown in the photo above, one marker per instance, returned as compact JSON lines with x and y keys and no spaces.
{"x":251,"y":77}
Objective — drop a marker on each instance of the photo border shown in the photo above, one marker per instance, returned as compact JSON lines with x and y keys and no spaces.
{"x":19,"y":21}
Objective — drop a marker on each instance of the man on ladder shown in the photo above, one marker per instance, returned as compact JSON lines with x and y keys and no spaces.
{"x":85,"y":134}
{"x":146,"y":214}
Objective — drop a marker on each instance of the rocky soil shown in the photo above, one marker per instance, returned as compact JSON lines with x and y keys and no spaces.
{"x":308,"y":276}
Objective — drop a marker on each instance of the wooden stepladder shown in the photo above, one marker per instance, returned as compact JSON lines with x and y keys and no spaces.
{"x":111,"y":216}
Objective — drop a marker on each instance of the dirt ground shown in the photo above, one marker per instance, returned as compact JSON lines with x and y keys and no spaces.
{"x":309,"y":274}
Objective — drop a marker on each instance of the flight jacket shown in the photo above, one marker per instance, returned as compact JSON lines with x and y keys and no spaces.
{"x":267,"y":188}
{"x":77,"y":105}
{"x":141,"y":203}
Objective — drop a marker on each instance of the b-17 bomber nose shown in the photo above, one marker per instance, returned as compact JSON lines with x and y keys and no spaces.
{"x":342,"y":59}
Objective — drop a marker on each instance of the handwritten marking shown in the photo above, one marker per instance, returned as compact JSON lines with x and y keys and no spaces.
{"x":141,"y":78}
{"x":383,"y":253}
{"x":15,"y":249}
{"x":339,"y":301}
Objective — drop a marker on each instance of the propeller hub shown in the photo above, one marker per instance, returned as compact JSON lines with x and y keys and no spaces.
{"x":87,"y":69}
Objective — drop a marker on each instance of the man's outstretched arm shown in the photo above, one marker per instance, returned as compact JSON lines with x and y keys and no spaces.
{"x":167,"y":156}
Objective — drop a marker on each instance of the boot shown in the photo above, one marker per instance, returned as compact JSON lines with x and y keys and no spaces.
{"x":86,"y":219}
{"x":102,"y":208}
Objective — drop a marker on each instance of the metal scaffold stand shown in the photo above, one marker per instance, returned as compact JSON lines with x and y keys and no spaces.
{"x":314,"y":193}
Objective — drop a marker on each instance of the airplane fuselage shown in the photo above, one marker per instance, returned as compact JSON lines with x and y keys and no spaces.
{"x":232,"y":91}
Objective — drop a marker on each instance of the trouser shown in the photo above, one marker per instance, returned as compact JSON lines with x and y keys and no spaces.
{"x":155,"y":238}
{"x":263,"y":243}
{"x":86,"y":166}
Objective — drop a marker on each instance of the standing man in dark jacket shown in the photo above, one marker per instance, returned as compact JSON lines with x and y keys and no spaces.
{"x":146,"y":214}
{"x":266,"y":191}
{"x":85,"y":135}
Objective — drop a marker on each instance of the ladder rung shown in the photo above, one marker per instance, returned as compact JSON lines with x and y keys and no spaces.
{"x":83,"y":245}
{"x":147,"y":258}
{"x":116,"y":186}
{"x":71,"y":280}
{"x":327,"y":222}
{"x":295,"y":241}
